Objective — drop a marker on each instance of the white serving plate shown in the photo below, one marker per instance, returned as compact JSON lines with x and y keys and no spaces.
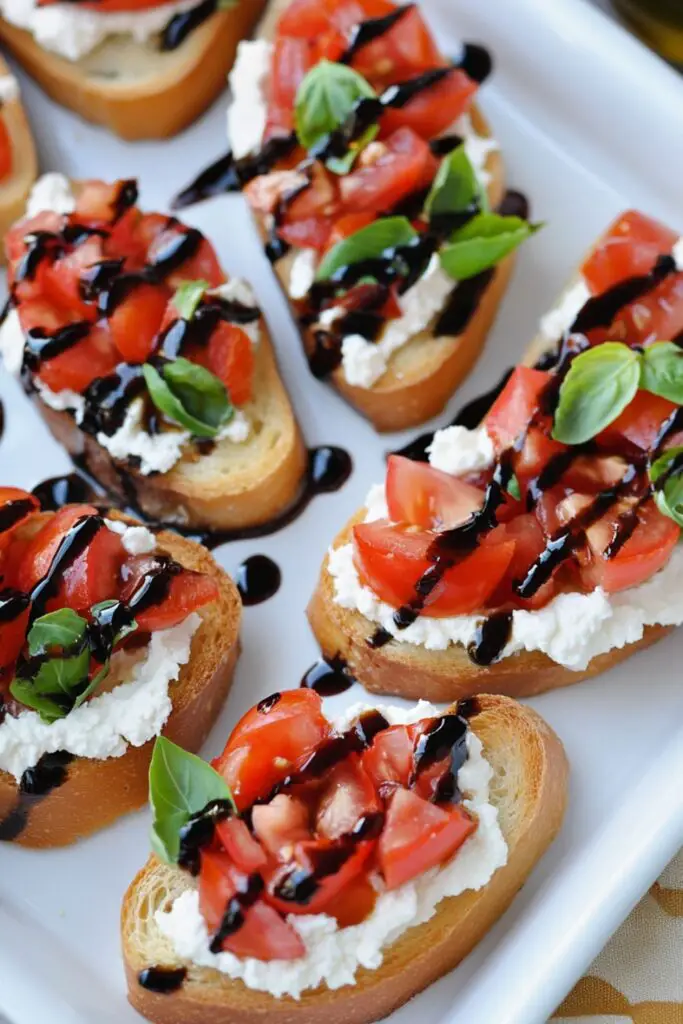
{"x":590,"y":123}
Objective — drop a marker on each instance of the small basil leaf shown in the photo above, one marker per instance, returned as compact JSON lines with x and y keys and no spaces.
{"x":369,"y":243}
{"x":188,"y":297}
{"x":61,"y":629}
{"x":325,"y":99}
{"x":482,"y":242}
{"x":599,"y":385}
{"x":180,"y":785}
{"x":513,"y":488}
{"x":190,"y":396}
{"x":92,"y":686}
{"x":663,"y":371}
{"x":456,"y":186}
{"x":98,"y":613}
{"x":666,"y":475}
{"x":56,"y":686}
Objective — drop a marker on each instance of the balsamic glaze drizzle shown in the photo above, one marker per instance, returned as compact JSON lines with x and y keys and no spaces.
{"x":181,"y":25}
{"x":328,"y":677}
{"x":258,"y":578}
{"x":36,"y":783}
{"x":162,"y":980}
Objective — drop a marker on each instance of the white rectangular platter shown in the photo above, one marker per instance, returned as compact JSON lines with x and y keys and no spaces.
{"x":590,"y":123}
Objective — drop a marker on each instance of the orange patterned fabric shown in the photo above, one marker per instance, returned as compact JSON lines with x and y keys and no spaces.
{"x":638,"y":977}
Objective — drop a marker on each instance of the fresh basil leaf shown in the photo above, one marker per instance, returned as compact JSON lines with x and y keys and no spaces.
{"x":666,"y":475}
{"x":180,"y":785}
{"x":663,"y":371}
{"x":324,"y":100}
{"x":190,"y":396}
{"x":456,"y":187}
{"x":92,"y":686}
{"x":56,"y":686}
{"x":599,"y":385}
{"x":513,"y":488}
{"x":482,"y":242}
{"x":188,"y":296}
{"x":369,"y":243}
{"x":61,"y":629}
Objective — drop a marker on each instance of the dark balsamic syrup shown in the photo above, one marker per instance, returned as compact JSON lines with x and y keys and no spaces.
{"x":328,"y":677}
{"x":48,"y":774}
{"x":162,"y":980}
{"x":490,"y":639}
{"x":227,"y":174}
{"x":258,"y":578}
{"x":181,"y":25}
{"x":476,"y":62}
{"x":58,"y":491}
{"x":370,"y":29}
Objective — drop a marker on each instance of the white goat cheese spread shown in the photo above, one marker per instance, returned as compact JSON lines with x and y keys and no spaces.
{"x":137,"y":540}
{"x":677,"y":253}
{"x":249,"y":108}
{"x":74,"y":31}
{"x":51,"y":191}
{"x":333,"y":954}
{"x":457,"y":450}
{"x":12,"y":343}
{"x":364,"y":362}
{"x":302,"y":273}
{"x":65,"y":400}
{"x":572,"y":628}
{"x":9,"y":88}
{"x":558,"y":320}
{"x":130,"y":714}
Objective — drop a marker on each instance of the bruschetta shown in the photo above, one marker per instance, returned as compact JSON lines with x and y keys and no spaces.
{"x":109,"y":635}
{"x":145,"y":362}
{"x":541,"y":547}
{"x":145,"y":70}
{"x":328,"y":870}
{"x":18,"y":165}
{"x":379,"y":194}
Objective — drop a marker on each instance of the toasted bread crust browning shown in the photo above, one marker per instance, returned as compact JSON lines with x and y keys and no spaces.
{"x":97,"y":792}
{"x":529,"y":788}
{"x":152,"y":107}
{"x":15,"y":189}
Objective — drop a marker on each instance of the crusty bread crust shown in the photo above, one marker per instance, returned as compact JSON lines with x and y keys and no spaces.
{"x":147,"y":105}
{"x":14,"y":191}
{"x":529,"y":789}
{"x":233,"y":487}
{"x":414,"y":672}
{"x":97,"y":792}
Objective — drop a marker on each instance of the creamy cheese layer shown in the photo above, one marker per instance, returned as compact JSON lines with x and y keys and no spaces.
{"x":73,"y":31}
{"x":333,"y":954}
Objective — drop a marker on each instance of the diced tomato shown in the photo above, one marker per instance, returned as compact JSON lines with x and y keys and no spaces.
{"x":433,"y":110}
{"x":202,"y":266}
{"x":353,"y":903}
{"x":12,"y":637}
{"x":348,"y":796}
{"x":25,"y":504}
{"x":62,"y":278}
{"x":264,"y":934}
{"x":305,"y":19}
{"x":135,"y":322}
{"x":91,"y":578}
{"x":515,"y":405}
{"x":639,"y":423}
{"x":529,"y":539}
{"x":6,"y":158}
{"x":231,"y":357}
{"x":404,"y":166}
{"x":537,"y":452}
{"x":593,"y":473}
{"x":244,"y":851}
{"x":391,"y":560}
{"x":96,"y":202}
{"x":15,"y":245}
{"x":657,"y":316}
{"x":311,"y":233}
{"x":630,"y":247}
{"x":348,"y":225}
{"x":188,"y":592}
{"x":419,"y":835}
{"x":269,"y":744}
{"x":341,"y":863}
{"x":423,"y":496}
{"x":644,"y":553}
{"x":281,"y":823}
{"x":75,"y":368}
{"x":405,"y":50}
{"x":389,"y":762}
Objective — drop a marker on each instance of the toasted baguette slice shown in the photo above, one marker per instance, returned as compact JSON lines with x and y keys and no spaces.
{"x":15,"y":189}
{"x":97,"y":792}
{"x":422,"y":376}
{"x":233,"y":487}
{"x":529,"y":790}
{"x":414,"y":672}
{"x":134,"y":89}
